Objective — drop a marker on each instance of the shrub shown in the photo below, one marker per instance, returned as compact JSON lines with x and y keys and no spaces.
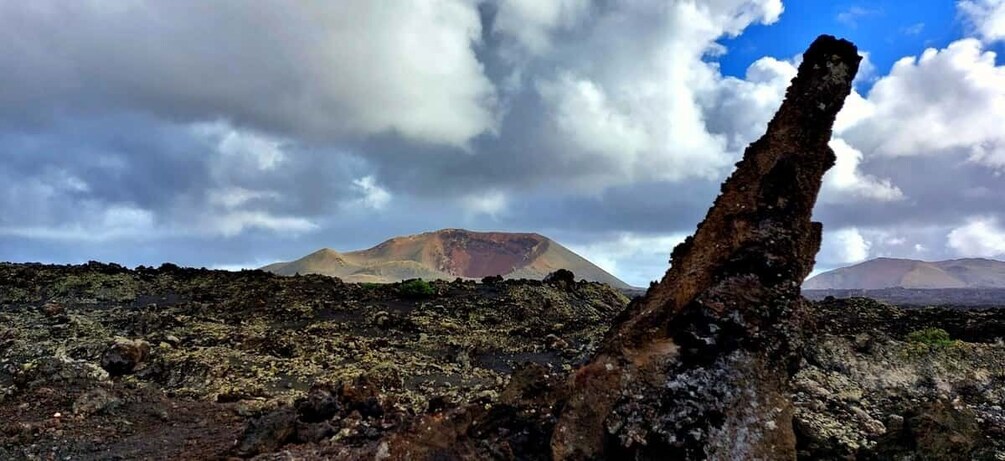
{"x":416,"y":288}
{"x":932,"y":337}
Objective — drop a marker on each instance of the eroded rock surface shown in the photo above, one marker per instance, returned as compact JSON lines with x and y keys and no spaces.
{"x":699,"y":367}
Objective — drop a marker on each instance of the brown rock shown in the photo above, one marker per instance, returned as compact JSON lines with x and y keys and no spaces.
{"x":52,"y":309}
{"x":320,"y":404}
{"x":561,"y":277}
{"x":123,"y":357}
{"x":268,"y":432}
{"x":700,"y":366}
{"x":363,"y":396}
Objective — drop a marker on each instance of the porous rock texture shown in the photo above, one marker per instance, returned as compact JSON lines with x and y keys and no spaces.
{"x":699,"y":368}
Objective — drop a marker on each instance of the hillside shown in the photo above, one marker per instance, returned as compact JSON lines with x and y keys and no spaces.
{"x":448,"y":254}
{"x":908,"y":273}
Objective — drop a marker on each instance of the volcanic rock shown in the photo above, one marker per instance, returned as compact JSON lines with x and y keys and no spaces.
{"x":124,"y":356}
{"x":699,"y":368}
{"x":268,"y":432}
{"x":52,"y":309}
{"x":561,"y":277}
{"x":320,"y":404}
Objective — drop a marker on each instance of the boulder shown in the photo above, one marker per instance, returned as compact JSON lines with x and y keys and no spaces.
{"x":124,"y":356}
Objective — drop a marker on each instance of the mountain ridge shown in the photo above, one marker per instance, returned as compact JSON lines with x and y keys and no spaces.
{"x":448,"y":254}
{"x":880,"y":273}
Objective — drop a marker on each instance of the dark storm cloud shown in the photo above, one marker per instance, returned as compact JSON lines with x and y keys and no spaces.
{"x":162,"y":177}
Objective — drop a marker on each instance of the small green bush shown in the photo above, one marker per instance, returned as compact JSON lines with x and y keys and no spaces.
{"x":416,"y":288}
{"x":370,"y":285}
{"x":932,"y":337}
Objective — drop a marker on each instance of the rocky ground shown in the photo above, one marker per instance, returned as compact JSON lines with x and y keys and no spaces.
{"x":882,"y":382}
{"x":98,"y":361}
{"x":101,"y":362}
{"x":965,"y":298}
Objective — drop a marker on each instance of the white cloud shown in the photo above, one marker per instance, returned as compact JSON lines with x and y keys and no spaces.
{"x":116,"y":222}
{"x":843,"y":246}
{"x":949,"y":101}
{"x":323,"y":70}
{"x":980,"y":237}
{"x":266,"y":153}
{"x":856,"y":109}
{"x":531,"y":22}
{"x":235,"y":197}
{"x":635,"y":258}
{"x":241,"y":150}
{"x":233,"y":223}
{"x":845,"y":182}
{"x":490,"y":203}
{"x":851,"y":16}
{"x":631,"y":99}
{"x":895,"y":241}
{"x":374,"y":196}
{"x":987,"y":17}
{"x":739,"y":109}
{"x":123,"y":222}
{"x":583,"y":112}
{"x":914,"y":29}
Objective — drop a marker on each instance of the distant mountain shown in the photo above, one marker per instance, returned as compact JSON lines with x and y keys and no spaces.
{"x":908,"y":273}
{"x":448,"y":254}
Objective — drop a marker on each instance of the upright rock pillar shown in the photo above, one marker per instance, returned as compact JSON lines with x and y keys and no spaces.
{"x":699,"y":367}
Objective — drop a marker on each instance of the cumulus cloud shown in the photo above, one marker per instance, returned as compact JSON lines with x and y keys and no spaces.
{"x":986,"y":17}
{"x":738,"y":110}
{"x":373,"y":196}
{"x":490,"y":203}
{"x":846,"y":182}
{"x":319,"y":70}
{"x":843,"y":246}
{"x":949,"y":102}
{"x":635,"y":258}
{"x":233,"y":223}
{"x":585,"y":114}
{"x":250,"y":149}
{"x":925,"y":147}
{"x":632,"y":95}
{"x":979,"y":237}
{"x":531,"y":22}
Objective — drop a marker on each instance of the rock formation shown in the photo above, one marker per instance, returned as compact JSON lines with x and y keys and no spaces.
{"x":699,"y":367}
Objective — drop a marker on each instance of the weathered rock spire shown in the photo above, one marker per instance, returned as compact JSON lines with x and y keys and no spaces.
{"x":699,"y":367}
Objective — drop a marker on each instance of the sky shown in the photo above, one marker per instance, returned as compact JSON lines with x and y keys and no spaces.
{"x":230,"y":134}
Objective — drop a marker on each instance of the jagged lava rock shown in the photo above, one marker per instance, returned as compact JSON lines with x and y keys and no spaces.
{"x":699,"y":367}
